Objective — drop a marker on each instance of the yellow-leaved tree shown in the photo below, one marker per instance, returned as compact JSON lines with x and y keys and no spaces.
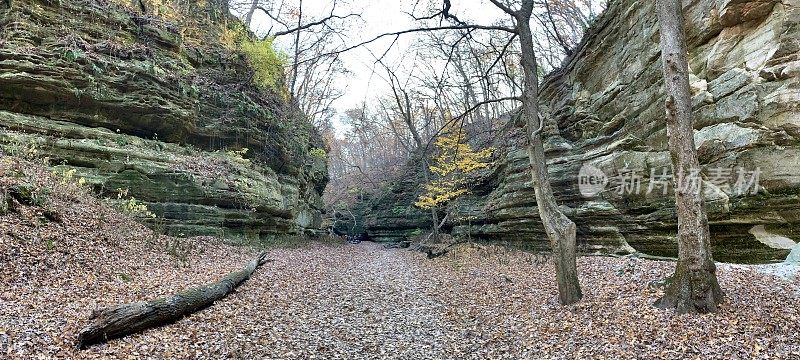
{"x":456,"y":159}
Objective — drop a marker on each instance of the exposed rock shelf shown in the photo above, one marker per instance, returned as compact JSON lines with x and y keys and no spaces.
{"x":605,"y":107}
{"x":132,"y":99}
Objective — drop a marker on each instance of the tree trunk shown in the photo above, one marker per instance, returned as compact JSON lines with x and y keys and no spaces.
{"x":435,"y":221}
{"x":131,"y":318}
{"x":559,"y":228}
{"x":694,"y":286}
{"x":296,"y":61}
{"x":427,"y":176}
{"x":248,"y":19}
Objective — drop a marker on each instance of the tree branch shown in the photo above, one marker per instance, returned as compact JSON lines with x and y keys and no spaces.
{"x":466,"y":113}
{"x":416,"y":30}
{"x":505,"y":8}
{"x":311,"y":24}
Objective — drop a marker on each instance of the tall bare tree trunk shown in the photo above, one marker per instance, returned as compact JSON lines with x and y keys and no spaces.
{"x":296,"y":61}
{"x":248,"y":19}
{"x":694,"y":286}
{"x":560,"y":229}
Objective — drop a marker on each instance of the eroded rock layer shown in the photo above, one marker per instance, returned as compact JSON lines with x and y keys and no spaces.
{"x":151,"y":100}
{"x":605,"y":107}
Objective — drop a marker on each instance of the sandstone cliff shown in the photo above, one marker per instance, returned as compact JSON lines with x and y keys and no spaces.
{"x":605,"y":107}
{"x":153,"y":98}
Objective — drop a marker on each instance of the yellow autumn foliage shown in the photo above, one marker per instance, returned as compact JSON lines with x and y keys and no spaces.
{"x":455,"y":161}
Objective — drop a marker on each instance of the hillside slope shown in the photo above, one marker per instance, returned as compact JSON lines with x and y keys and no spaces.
{"x":64,"y":253}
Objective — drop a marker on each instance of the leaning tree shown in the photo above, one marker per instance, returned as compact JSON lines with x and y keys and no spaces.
{"x":559,"y":228}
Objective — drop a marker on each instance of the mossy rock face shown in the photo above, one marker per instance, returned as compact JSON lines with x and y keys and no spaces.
{"x":605,"y":107}
{"x":153,"y":97}
{"x":191,"y":192}
{"x":131,"y":73}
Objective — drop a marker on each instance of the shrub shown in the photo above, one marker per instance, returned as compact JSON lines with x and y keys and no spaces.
{"x":319,"y":153}
{"x":132,"y":206}
{"x":267,"y":63}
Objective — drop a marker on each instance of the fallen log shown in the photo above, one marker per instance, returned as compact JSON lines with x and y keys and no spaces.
{"x":436,"y":250}
{"x":398,"y":245}
{"x":131,"y":318}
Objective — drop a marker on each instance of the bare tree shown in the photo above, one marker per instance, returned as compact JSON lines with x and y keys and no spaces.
{"x":471,"y":75}
{"x":694,"y":286}
{"x":312,"y":40}
{"x":559,"y":228}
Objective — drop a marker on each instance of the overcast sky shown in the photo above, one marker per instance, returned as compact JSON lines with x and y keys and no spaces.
{"x":366,"y":82}
{"x":377,"y":17}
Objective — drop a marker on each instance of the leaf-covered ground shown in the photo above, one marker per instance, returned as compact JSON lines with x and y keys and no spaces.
{"x":331,"y":301}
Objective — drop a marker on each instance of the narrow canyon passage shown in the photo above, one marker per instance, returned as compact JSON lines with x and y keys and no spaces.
{"x":330,"y":299}
{"x":428,"y":179}
{"x":365,"y":302}
{"x":351,"y":301}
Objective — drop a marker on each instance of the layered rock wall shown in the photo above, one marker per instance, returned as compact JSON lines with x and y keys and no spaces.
{"x":605,"y":108}
{"x":152,"y":100}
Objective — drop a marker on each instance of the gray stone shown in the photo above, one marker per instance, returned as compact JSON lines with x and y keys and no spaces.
{"x":613,"y":126}
{"x":138,"y":104}
{"x":741,"y":106}
{"x":729,"y":82}
{"x":730,"y":135}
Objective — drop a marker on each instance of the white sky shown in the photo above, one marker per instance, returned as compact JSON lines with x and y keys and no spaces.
{"x":378,"y":17}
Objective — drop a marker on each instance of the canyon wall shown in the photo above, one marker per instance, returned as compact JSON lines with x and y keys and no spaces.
{"x":605,"y":108}
{"x":153,"y":100}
